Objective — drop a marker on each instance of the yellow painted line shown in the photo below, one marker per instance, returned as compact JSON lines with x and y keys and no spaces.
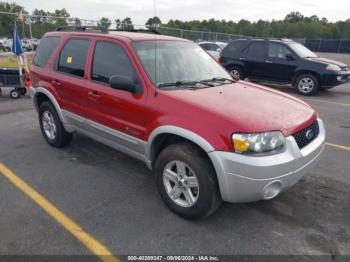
{"x":347,"y":148}
{"x":87,"y":240}
{"x":324,"y":101}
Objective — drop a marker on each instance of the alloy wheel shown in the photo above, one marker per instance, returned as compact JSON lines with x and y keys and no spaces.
{"x":236,"y":73}
{"x":49,"y":125}
{"x":306,"y":85}
{"x":180,"y":183}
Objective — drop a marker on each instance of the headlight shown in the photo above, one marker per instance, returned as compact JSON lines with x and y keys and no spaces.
{"x":333,"y":68}
{"x":258,"y":142}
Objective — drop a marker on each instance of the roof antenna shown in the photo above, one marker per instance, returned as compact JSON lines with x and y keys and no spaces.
{"x":155,"y":49}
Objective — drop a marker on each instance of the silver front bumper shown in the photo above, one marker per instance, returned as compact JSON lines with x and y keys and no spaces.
{"x":245,"y":178}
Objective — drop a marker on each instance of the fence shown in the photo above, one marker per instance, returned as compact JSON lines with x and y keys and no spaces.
{"x":317,"y":45}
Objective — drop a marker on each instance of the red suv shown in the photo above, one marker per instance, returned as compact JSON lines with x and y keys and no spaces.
{"x":166,"y":102}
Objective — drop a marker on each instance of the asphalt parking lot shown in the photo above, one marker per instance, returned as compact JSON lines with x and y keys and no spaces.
{"x":113,"y":198}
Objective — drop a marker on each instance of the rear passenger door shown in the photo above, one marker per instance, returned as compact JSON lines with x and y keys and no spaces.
{"x":121,"y":114}
{"x":69,"y":77}
{"x":253,"y":57}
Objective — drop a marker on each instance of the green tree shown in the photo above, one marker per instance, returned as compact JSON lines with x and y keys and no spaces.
{"x":60,"y":17}
{"x":294,"y":17}
{"x":104,"y":22}
{"x":153,"y":21}
{"x":7,"y":21}
{"x":127,"y":24}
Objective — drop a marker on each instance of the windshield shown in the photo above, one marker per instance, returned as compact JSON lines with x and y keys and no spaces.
{"x":176,"y":62}
{"x":301,"y":50}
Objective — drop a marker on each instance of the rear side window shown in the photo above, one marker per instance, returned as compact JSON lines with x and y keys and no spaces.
{"x":110,"y":59}
{"x":72,"y":58}
{"x":255,"y":50}
{"x":234,"y":47}
{"x":44,"y":51}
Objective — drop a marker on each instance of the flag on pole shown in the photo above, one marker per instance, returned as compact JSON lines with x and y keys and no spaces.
{"x":16,"y":44}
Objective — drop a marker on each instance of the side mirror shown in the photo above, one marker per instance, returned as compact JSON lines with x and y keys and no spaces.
{"x":125,"y":83}
{"x":290,"y":57}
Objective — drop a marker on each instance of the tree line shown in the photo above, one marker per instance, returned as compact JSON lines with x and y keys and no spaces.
{"x":294,"y":25}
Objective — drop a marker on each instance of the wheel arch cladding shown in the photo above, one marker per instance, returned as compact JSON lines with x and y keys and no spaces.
{"x":42,"y":95}
{"x":167,"y":135}
{"x":302,"y":72}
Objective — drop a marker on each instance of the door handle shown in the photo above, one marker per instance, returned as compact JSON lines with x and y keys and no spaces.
{"x":268,"y":61}
{"x":56,"y":83}
{"x":242,"y":58}
{"x":94,"y":95}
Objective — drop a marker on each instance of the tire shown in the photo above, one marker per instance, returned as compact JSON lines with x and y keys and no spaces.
{"x":52,"y":127}
{"x":198,"y":171}
{"x":307,"y":84}
{"x":15,"y":94}
{"x":236,"y":71}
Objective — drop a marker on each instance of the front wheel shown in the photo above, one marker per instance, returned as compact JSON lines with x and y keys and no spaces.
{"x":187,"y":181}
{"x":306,"y":84}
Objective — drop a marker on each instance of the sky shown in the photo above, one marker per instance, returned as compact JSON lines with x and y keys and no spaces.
{"x":140,"y":11}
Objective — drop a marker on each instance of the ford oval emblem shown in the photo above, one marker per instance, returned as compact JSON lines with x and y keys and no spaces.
{"x":309,"y":134}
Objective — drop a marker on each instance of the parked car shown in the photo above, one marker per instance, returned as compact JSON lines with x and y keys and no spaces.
{"x":283,"y":61}
{"x":2,"y":48}
{"x":221,"y":44}
{"x":36,"y":42}
{"x":206,"y":136}
{"x":212,"y":48}
{"x":8,"y":45}
{"x":5,"y":45}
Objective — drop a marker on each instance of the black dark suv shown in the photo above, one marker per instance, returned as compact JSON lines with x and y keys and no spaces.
{"x":283,"y":61}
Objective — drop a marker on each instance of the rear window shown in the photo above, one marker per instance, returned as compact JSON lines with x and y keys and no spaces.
{"x":72,"y":58}
{"x":44,"y":51}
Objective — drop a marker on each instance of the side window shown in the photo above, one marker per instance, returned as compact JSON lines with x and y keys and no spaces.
{"x":72,"y":58}
{"x":110,"y":59}
{"x":278,"y":51}
{"x":255,"y":50}
{"x":44,"y":51}
{"x":234,"y":47}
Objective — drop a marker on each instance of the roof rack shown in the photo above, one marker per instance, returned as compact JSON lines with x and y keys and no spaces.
{"x":83,"y":28}
{"x":105,"y":30}
{"x":150,"y":30}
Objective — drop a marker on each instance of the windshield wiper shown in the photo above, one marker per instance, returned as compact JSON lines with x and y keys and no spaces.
{"x":192,"y":84}
{"x":219,"y":79}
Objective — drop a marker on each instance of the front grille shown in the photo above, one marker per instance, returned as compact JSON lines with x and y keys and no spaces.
{"x":306,"y":135}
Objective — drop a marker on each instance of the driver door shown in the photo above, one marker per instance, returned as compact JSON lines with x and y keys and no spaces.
{"x":280,"y":62}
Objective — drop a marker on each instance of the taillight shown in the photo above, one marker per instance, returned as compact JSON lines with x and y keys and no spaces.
{"x":219,"y":60}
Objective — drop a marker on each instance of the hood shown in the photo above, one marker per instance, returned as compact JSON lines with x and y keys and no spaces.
{"x":327,"y":61}
{"x":249,"y":108}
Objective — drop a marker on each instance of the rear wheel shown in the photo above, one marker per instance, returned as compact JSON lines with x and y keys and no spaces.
{"x":186,"y":181}
{"x":52,"y":127}
{"x":236,"y":72}
{"x":306,"y":84}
